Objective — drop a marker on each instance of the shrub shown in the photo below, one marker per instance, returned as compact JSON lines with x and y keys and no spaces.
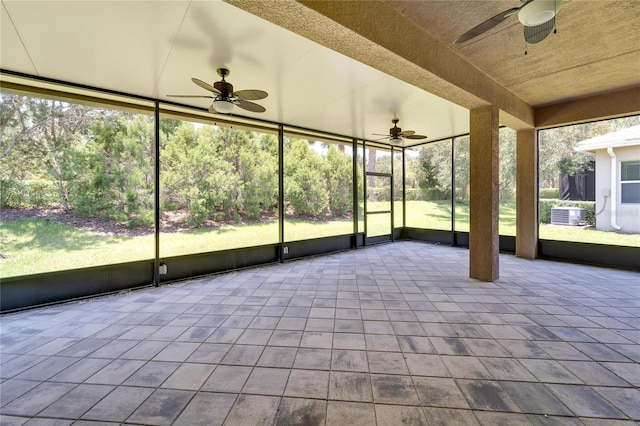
{"x":431,"y":194}
{"x":549,"y":193}
{"x":27,"y":193}
{"x":547,"y":205}
{"x":307,"y":193}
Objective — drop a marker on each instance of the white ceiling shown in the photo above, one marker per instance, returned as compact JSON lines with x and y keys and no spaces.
{"x":153,"y":48}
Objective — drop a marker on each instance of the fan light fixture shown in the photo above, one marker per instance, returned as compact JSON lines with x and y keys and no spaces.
{"x":223,"y":106}
{"x":538,"y":12}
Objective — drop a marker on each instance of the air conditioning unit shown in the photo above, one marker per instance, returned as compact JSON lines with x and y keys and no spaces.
{"x":567,"y":216}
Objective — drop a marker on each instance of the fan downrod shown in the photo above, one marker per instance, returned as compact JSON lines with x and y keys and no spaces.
{"x":223,"y":72}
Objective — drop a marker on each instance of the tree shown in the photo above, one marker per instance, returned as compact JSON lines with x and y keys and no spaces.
{"x":304,"y":185}
{"x":42,"y":138}
{"x":557,"y":156}
{"x":507,"y":171}
{"x":339,"y":178}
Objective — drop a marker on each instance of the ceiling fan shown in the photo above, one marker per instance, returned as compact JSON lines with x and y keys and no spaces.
{"x":397,"y":135}
{"x":225,"y":99}
{"x":537,"y":16}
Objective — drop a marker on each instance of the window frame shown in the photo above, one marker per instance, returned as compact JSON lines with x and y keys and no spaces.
{"x":630,"y":181}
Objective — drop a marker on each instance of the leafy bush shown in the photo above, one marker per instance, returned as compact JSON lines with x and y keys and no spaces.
{"x":431,"y":194}
{"x":27,"y":193}
{"x":547,"y":205}
{"x":307,"y":193}
{"x":549,"y":193}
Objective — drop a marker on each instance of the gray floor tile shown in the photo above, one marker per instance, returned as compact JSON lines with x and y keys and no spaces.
{"x":391,"y":415}
{"x":206,"y":409}
{"x":227,"y":378}
{"x":297,"y":411}
{"x":345,"y":360}
{"x":13,"y":388}
{"x":506,"y":419}
{"x":243,"y":355}
{"x":114,"y":349}
{"x":606,"y":422}
{"x":77,"y":401}
{"x":450,"y":346}
{"x":387,"y":362}
{"x":15,"y":366}
{"x":448,"y":416}
{"x":254,"y":336}
{"x":81,"y":370}
{"x":152,"y":374}
{"x":592,"y":373}
{"x":189,"y":376}
{"x":382,"y":342}
{"x":225,"y":335}
{"x":307,"y":383}
{"x":12,"y":420}
{"x":315,"y":359}
{"x":115,"y":372}
{"x":266,"y":381}
{"x":583,"y":401}
{"x":507,"y":369}
{"x":40,"y":421}
{"x":486,"y":395}
{"x":144,"y":350}
{"x":627,"y":371}
{"x":350,"y":386}
{"x":350,"y":413}
{"x":624,"y":399}
{"x":534,"y":398}
{"x":277,"y":357}
{"x":250,"y":410}
{"x":338,"y":321}
{"x":162,"y":407}
{"x":47,"y":368}
{"x":354,"y":341}
{"x":209,"y":353}
{"x":466,"y":367}
{"x":549,"y":371}
{"x":439,"y":392}
{"x":426,"y":365}
{"x":391,"y":389}
{"x":37,"y":399}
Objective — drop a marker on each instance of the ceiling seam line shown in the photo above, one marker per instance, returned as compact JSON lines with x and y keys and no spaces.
{"x":166,"y":60}
{"x":572,"y":68}
{"x":24,"y":46}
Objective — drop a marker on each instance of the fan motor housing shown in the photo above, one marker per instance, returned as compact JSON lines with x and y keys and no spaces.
{"x":224,"y":87}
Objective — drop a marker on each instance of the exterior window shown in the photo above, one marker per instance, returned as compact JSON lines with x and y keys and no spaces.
{"x":630,"y":182}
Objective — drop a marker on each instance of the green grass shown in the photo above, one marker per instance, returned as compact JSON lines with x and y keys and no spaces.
{"x":437,"y":215}
{"x":39,"y":245}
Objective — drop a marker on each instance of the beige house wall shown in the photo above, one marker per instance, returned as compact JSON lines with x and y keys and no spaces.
{"x":627,"y":215}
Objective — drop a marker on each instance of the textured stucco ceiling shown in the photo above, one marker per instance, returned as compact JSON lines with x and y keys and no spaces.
{"x":596,"y":48}
{"x":590,"y":67}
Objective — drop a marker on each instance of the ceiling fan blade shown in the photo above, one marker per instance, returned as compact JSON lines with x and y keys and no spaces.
{"x":486,"y":25}
{"x":538,"y":33}
{"x":251,"y":94}
{"x":205,"y":86}
{"x":406,"y":133}
{"x":190,"y":96}
{"x":380,"y":134}
{"x":416,"y":137}
{"x":212,"y":110}
{"x":250,"y":106}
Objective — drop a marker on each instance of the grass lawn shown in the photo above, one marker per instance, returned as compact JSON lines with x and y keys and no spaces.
{"x":39,"y":245}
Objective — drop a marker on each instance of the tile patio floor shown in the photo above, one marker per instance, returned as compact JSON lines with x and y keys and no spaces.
{"x":391,"y":334}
